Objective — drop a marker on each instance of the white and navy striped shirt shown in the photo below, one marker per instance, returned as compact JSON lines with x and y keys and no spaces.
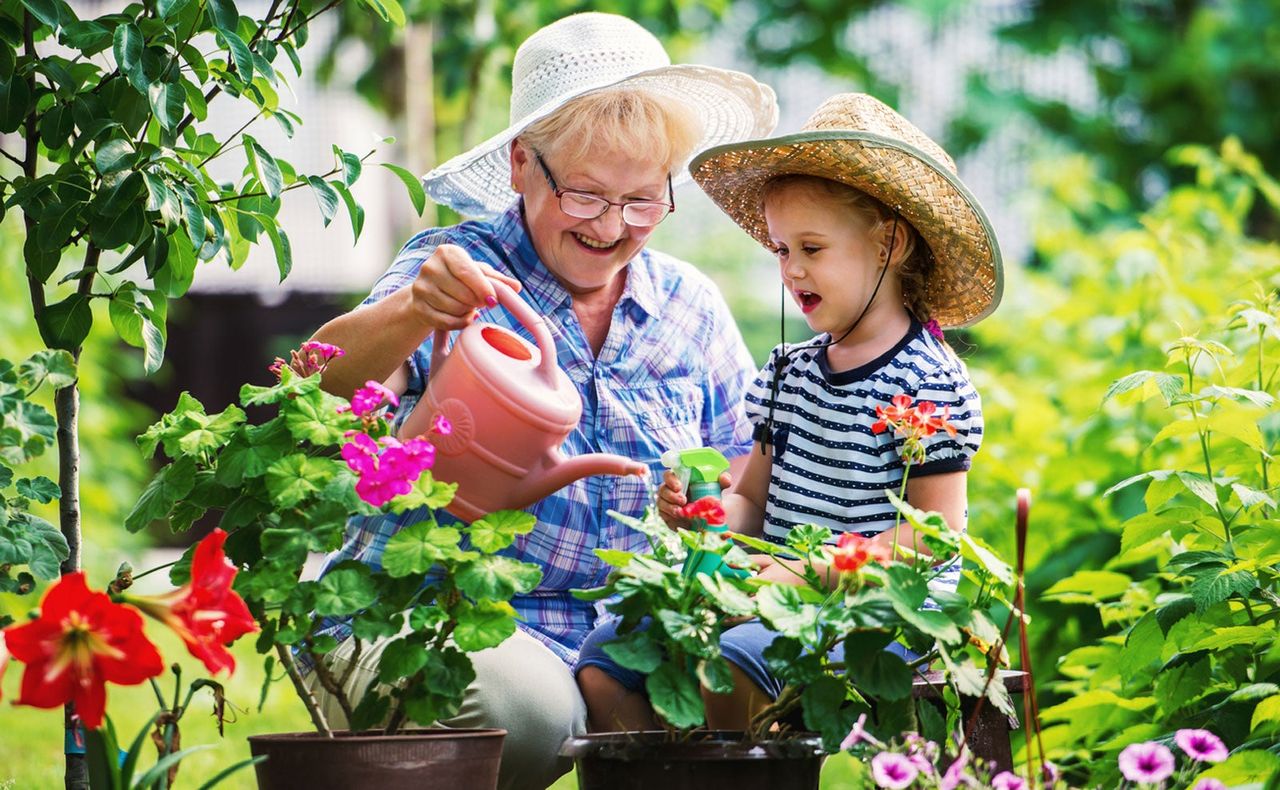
{"x":829,"y":469}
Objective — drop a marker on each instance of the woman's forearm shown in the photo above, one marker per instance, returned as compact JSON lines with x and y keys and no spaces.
{"x":376,"y":340}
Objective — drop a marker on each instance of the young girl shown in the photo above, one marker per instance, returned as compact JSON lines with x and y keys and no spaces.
{"x":880,"y":245}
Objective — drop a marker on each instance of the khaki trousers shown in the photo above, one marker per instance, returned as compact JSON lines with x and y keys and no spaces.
{"x":520,"y":686}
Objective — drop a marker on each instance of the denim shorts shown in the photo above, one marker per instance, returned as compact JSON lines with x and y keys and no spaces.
{"x":743,"y":645}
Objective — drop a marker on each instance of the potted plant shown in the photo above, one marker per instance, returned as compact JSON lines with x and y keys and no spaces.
{"x":286,"y":487}
{"x":877,"y":598}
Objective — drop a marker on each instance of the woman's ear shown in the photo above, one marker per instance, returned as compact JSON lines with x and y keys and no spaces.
{"x":519,"y":162}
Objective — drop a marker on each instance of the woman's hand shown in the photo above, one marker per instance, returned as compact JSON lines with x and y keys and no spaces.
{"x":451,"y":286}
{"x":671,"y":498}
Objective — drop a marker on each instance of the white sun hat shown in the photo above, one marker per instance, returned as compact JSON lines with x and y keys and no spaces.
{"x":587,"y":52}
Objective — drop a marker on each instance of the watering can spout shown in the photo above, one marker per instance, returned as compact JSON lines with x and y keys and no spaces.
{"x":559,"y":471}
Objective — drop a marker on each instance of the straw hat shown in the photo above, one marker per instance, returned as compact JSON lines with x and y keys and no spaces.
{"x":856,"y":139}
{"x":583,"y":53}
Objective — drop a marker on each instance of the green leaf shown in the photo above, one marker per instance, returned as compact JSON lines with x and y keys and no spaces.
{"x":1266,"y":713}
{"x":351,"y":165}
{"x":296,"y":477}
{"x":483,"y":625}
{"x":47,"y":546}
{"x":170,"y":8}
{"x":241,"y":57}
{"x":326,"y":197}
{"x":345,"y":590}
{"x":496,"y":531}
{"x":782,"y":607}
{"x":1243,"y":767}
{"x":675,"y":696}
{"x":56,"y":368}
{"x":66,"y":324}
{"x":169,"y":486}
{"x":354,"y":211}
{"x":417,"y":548}
{"x":224,"y":14}
{"x":44,"y":10}
{"x":313,"y":417}
{"x":727,"y":597}
{"x":1201,"y":486}
{"x":823,"y":704}
{"x":497,"y":578}
{"x":41,"y":489}
{"x":264,"y":166}
{"x":15,"y":100}
{"x":168,"y":103}
{"x":248,"y":455}
{"x":1145,"y":384}
{"x":1089,"y":587}
{"x":411,"y":183}
{"x":1222,"y":638}
{"x":127,"y":45}
{"x":400,"y":659}
{"x":1216,"y":586}
{"x":976,"y":550}
{"x":113,"y":156}
{"x":885,"y":676}
{"x":715,"y":675}
{"x":614,"y":557}
{"x":636,"y":650}
{"x":283,"y":249}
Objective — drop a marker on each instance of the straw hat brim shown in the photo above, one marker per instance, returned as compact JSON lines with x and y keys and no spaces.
{"x":732,"y":105}
{"x":968,"y":278}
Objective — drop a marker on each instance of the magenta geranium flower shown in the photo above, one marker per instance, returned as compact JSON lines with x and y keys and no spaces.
{"x":1209,"y":784}
{"x":892,"y":770}
{"x":1147,"y":762}
{"x":956,"y":774}
{"x":370,"y":398}
{"x":1201,"y":745}
{"x":1008,"y":780}
{"x":441,"y":425}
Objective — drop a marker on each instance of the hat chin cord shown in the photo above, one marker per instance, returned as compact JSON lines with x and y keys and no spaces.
{"x":763,"y":434}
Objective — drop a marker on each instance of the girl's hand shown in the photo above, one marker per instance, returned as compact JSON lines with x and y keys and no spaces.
{"x":772,"y":569}
{"x":671,"y":498}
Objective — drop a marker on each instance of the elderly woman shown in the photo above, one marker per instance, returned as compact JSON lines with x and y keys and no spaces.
{"x":602,"y":126}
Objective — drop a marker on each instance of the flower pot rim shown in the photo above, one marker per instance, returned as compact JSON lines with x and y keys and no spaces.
{"x":730,"y":743}
{"x":374,"y":736}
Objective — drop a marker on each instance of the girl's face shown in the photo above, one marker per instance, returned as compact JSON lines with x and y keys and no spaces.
{"x":828,"y":260}
{"x":586,"y":255}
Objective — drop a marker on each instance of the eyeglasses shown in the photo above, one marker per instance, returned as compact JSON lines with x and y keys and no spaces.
{"x":584,"y":205}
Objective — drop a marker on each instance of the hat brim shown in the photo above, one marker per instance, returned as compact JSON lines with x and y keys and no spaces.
{"x":732,"y":105}
{"x":968,"y":278}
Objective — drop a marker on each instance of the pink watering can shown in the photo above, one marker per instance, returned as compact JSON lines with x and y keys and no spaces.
{"x":511,"y":407}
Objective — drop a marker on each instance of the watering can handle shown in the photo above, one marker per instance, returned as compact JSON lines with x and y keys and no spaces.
{"x":526,"y":316}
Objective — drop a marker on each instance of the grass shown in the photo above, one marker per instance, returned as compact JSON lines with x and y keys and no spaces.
{"x":31,"y":744}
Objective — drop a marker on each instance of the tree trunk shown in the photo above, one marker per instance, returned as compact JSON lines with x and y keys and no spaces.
{"x":419,"y":103}
{"x":66,"y":403}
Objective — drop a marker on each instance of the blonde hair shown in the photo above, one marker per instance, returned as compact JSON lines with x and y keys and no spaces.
{"x":635,"y":121}
{"x":917,"y":259}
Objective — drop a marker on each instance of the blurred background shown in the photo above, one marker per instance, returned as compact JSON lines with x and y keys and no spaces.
{"x":1120,"y":146}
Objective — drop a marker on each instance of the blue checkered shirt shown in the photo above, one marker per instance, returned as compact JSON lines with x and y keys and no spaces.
{"x":672,"y":373}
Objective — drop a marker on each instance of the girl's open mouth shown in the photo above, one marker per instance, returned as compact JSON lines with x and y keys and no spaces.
{"x":808,"y":300}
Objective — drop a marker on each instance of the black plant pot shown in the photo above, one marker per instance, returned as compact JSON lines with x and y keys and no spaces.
{"x":706,"y":760}
{"x":423,"y":759}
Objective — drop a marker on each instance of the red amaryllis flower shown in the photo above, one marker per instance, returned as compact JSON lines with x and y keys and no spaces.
{"x":206,"y":613}
{"x":708,"y":508}
{"x":81,"y":641}
{"x":852,"y":551}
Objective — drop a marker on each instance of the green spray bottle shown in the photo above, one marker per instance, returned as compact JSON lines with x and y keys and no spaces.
{"x":698,"y":471}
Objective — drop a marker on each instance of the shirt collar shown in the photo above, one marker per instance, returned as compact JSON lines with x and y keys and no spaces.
{"x":543,"y":288}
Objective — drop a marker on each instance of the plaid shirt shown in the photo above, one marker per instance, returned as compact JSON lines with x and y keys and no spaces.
{"x":672,"y":374}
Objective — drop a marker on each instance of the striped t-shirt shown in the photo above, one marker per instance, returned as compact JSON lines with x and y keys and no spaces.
{"x":829,"y":468}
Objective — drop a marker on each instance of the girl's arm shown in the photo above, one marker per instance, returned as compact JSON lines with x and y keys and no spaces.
{"x":946,"y":493}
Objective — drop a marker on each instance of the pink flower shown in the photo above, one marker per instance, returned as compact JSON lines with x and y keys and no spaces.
{"x":441,"y":425}
{"x":1007,"y":780}
{"x":1209,"y":784}
{"x":858,"y":734}
{"x":956,"y":774}
{"x":361,"y":453}
{"x":1051,"y":773}
{"x":1148,"y":762}
{"x":370,"y":398}
{"x":378,"y":488}
{"x":1201,"y":745}
{"x":324,"y":352}
{"x":892,"y":770}
{"x":932,"y":328}
{"x":311,"y":358}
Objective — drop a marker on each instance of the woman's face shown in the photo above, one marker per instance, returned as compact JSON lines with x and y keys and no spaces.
{"x":586,"y":255}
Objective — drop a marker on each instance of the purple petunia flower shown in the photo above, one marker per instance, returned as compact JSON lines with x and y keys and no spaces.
{"x":1201,"y":745}
{"x":1051,"y":774}
{"x":858,"y":734}
{"x":893,"y":770}
{"x":1148,"y":762}
{"x":1008,"y":780}
{"x":956,"y":774}
{"x":1209,"y":784}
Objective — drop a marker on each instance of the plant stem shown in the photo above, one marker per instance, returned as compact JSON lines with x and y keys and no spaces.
{"x":897,"y":518}
{"x":330,"y":683}
{"x":304,"y":693}
{"x":1204,"y":449}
